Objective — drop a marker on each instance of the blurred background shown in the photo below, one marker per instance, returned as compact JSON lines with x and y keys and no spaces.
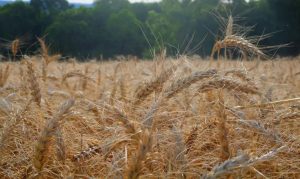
{"x":109,"y":28}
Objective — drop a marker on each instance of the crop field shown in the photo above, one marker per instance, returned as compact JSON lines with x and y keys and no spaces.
{"x":183,"y":117}
{"x":164,"y":118}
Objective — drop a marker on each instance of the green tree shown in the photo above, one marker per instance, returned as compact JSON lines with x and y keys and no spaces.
{"x":17,"y":20}
{"x":49,"y":6}
{"x":71,"y":33}
{"x":125,"y":35}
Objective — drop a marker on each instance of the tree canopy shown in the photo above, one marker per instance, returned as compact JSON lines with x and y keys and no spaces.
{"x":118,"y":27}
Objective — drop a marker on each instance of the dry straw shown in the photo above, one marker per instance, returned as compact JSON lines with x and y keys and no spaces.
{"x":4,"y":74}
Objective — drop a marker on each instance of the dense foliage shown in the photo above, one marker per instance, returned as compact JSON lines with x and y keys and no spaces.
{"x":117,"y":27}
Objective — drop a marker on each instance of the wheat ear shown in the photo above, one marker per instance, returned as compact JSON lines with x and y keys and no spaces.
{"x":191,"y":139}
{"x":222,"y":128}
{"x":135,"y":166}
{"x":229,"y":84}
{"x":43,"y":143}
{"x":241,"y":161}
{"x":155,"y":85}
{"x":183,"y":83}
{"x":4,"y":75}
{"x":15,"y":47}
{"x":33,"y":82}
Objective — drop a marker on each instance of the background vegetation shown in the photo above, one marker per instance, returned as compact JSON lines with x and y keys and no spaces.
{"x":117,"y":27}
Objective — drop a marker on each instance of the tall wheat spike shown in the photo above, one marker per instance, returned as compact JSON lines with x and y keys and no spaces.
{"x":155,"y":85}
{"x":15,"y":48}
{"x":222,"y":127}
{"x":44,"y":140}
{"x":33,"y":83}
{"x":183,"y":83}
{"x":233,"y":40}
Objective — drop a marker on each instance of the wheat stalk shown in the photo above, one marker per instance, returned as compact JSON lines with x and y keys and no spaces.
{"x":191,"y":139}
{"x":241,"y":161}
{"x":15,"y":47}
{"x":229,"y":84}
{"x":135,"y":166}
{"x":154,"y":85}
{"x":284,"y":101}
{"x":4,"y":75}
{"x":33,"y":82}
{"x":183,"y":83}
{"x":13,"y":119}
{"x":222,"y":128}
{"x":43,"y":143}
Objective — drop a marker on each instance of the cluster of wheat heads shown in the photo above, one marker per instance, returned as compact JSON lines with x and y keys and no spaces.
{"x":235,"y":39}
{"x":149,"y":119}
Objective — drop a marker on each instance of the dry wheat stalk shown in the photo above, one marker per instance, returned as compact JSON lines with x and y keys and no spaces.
{"x":229,"y":27}
{"x":179,"y":149}
{"x":191,"y":139}
{"x":46,"y":61}
{"x":33,"y":82}
{"x":87,"y":153}
{"x":123,"y":90}
{"x":4,"y":75}
{"x":272,"y":103}
{"x":60,"y":145}
{"x":154,"y":85}
{"x":259,"y":127}
{"x":15,"y":47}
{"x":13,"y":119}
{"x":255,"y":125}
{"x":227,"y":166}
{"x":242,"y":74}
{"x":5,"y":107}
{"x":135,"y":166}
{"x":44,"y":50}
{"x":84,"y":81}
{"x":183,"y":83}
{"x":75,"y":73}
{"x":234,"y":41}
{"x":45,"y":56}
{"x":59,"y":93}
{"x":222,"y":128}
{"x":292,"y":115}
{"x":240,"y":161}
{"x":128,"y":124}
{"x":113,"y":93}
{"x":145,"y":142}
{"x":229,"y":84}
{"x":43,"y":143}
{"x":92,"y":107}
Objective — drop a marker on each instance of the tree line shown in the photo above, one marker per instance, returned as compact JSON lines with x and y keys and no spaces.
{"x":118,"y":27}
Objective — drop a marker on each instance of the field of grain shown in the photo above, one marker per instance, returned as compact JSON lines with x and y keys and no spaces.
{"x":164,"y":118}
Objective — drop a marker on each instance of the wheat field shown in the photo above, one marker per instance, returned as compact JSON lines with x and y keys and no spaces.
{"x":164,"y":118}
